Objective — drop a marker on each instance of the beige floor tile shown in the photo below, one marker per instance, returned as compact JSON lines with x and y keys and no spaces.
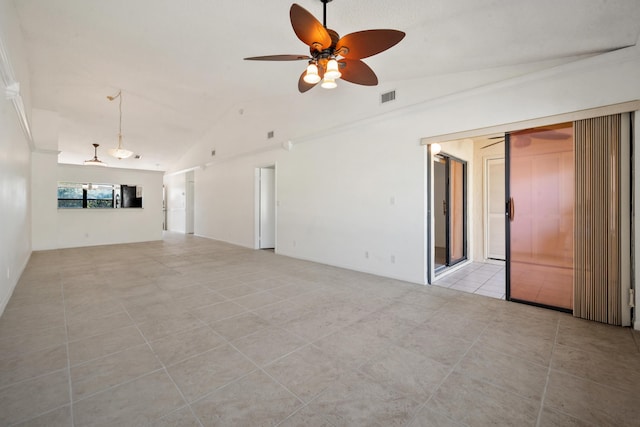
{"x":385,"y":324}
{"x":156,"y":329}
{"x":590,"y":401}
{"x":100,"y":374}
{"x":305,"y":417}
{"x":33,"y":364}
{"x":620,"y":370}
{"x":194,"y":302}
{"x":97,"y":346}
{"x":254,"y":400}
{"x":237,"y":291}
{"x":529,"y":347}
{"x":182,"y":417}
{"x":385,"y":344}
{"x":13,"y":323}
{"x":306,"y":372}
{"x":16,"y":345}
{"x":477,"y":403}
{"x":93,"y":310}
{"x":208,"y":371}
{"x":351,"y":347}
{"x":511,"y":373}
{"x":27,"y":399}
{"x":239,"y":326}
{"x":268,"y":344}
{"x":182,"y":345}
{"x":551,"y":418}
{"x":593,"y":336}
{"x":414,"y":376}
{"x":88,"y":328}
{"x":215,"y":312}
{"x":60,"y":417}
{"x":357,"y":400}
{"x":135,"y":403}
{"x":434,"y":345}
{"x":257,"y":300}
{"x":429,"y":418}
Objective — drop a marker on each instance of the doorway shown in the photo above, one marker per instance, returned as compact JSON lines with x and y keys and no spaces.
{"x":266,"y":230}
{"x":450,"y":211}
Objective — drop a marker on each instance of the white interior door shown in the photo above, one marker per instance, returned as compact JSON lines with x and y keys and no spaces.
{"x":267,"y":208}
{"x":495,"y":209}
{"x":190,"y":203}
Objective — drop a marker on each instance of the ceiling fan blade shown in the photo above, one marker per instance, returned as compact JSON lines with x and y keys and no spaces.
{"x":278,"y":58}
{"x":356,"y":71}
{"x":308,"y":28}
{"x":304,"y":86}
{"x":363,"y":44}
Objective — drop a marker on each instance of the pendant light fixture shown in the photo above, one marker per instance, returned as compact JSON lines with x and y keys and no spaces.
{"x":95,"y":161}
{"x":120,"y":152}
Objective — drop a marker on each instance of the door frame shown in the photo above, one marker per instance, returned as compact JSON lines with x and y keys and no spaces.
{"x":430,"y":249}
{"x":257,"y":210}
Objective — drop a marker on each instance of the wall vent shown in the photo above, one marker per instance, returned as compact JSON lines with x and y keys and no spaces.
{"x":270,"y":134}
{"x":388,"y":97}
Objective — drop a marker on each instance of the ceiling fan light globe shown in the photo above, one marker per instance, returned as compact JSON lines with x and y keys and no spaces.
{"x":332,"y":70}
{"x":120,"y":153}
{"x":329,"y":83}
{"x":312,"y":76}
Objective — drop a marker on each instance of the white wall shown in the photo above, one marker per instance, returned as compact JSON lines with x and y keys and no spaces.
{"x":335,"y":190}
{"x":68,"y":228}
{"x":15,"y":162}
{"x":225,"y":192}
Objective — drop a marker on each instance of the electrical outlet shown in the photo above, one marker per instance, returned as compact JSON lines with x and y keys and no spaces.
{"x":393,"y":259}
{"x":294,"y":243}
{"x":366,"y":254}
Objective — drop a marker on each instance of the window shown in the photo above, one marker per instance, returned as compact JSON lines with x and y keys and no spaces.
{"x":72,"y":195}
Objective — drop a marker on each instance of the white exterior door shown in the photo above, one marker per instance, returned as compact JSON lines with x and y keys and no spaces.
{"x":495,"y":209}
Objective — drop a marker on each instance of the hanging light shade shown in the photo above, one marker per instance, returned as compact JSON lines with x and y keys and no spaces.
{"x":95,"y":161}
{"x":332,"y":70}
{"x":328,"y":83}
{"x":312,"y":77}
{"x":120,"y":152}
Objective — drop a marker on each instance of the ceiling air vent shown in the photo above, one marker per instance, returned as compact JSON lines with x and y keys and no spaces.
{"x":388,"y":97}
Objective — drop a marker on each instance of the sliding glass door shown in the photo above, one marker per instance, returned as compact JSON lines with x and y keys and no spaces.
{"x":540,"y":209}
{"x":449,"y":211}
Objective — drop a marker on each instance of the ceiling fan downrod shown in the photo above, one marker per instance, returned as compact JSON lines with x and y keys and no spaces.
{"x":324,"y":12}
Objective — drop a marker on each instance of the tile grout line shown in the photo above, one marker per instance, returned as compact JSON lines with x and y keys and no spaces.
{"x":66,"y":330}
{"x":424,"y":405}
{"x":546,"y":385}
{"x":166,"y":371}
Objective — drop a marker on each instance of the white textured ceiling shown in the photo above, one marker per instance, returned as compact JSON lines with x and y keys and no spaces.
{"x":180,"y":67}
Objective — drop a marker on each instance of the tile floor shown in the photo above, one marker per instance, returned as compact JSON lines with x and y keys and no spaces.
{"x":194,"y":332}
{"x":476,"y":278}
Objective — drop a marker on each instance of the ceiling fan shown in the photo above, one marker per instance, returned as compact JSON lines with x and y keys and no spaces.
{"x":332,"y":57}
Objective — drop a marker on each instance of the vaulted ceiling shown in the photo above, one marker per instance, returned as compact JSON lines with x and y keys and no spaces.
{"x":184,"y":81}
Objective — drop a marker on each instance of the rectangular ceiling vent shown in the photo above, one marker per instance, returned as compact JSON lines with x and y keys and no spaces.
{"x":388,"y":97}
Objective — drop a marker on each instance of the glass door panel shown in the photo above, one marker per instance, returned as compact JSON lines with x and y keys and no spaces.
{"x":541,"y":211}
{"x":456,"y":211}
